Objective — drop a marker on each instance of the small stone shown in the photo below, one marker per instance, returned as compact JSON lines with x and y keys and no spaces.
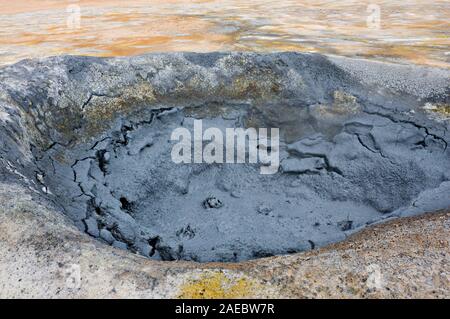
{"x":212,"y":202}
{"x":187,"y":232}
{"x":40,"y":178}
{"x":345,"y":225}
{"x":264,"y":209}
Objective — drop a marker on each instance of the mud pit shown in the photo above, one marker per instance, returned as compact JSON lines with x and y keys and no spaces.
{"x":360,"y":142}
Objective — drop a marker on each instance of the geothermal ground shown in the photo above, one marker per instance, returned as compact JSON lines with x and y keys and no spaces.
{"x":360,"y":142}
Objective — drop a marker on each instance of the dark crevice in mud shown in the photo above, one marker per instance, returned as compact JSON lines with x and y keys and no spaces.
{"x":102,"y":157}
{"x":98,"y":142}
{"x":349,"y":156}
{"x":327,"y":166}
{"x":369,"y":143}
{"x":153,"y":242}
{"x":418,"y":126}
{"x":92,"y":95}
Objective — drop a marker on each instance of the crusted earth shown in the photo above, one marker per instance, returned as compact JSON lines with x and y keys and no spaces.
{"x":359,"y":144}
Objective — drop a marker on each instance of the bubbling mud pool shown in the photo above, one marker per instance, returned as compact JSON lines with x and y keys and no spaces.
{"x":351,"y":153}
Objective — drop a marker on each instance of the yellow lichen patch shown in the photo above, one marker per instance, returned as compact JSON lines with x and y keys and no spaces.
{"x":217,"y":285}
{"x":344,"y":103}
{"x":97,"y":115}
{"x":258,"y":86}
{"x":104,"y":110}
{"x":444,"y":109}
{"x":441,"y":110}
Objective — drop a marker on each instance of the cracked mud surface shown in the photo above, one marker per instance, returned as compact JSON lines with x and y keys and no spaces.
{"x":93,"y":137}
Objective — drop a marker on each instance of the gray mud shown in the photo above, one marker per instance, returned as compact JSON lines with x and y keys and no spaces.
{"x":92,"y":137}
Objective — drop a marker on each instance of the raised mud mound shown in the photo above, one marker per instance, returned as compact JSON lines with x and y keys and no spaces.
{"x":360,"y":142}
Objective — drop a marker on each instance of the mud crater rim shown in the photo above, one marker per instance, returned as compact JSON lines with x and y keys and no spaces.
{"x":348,"y":159}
